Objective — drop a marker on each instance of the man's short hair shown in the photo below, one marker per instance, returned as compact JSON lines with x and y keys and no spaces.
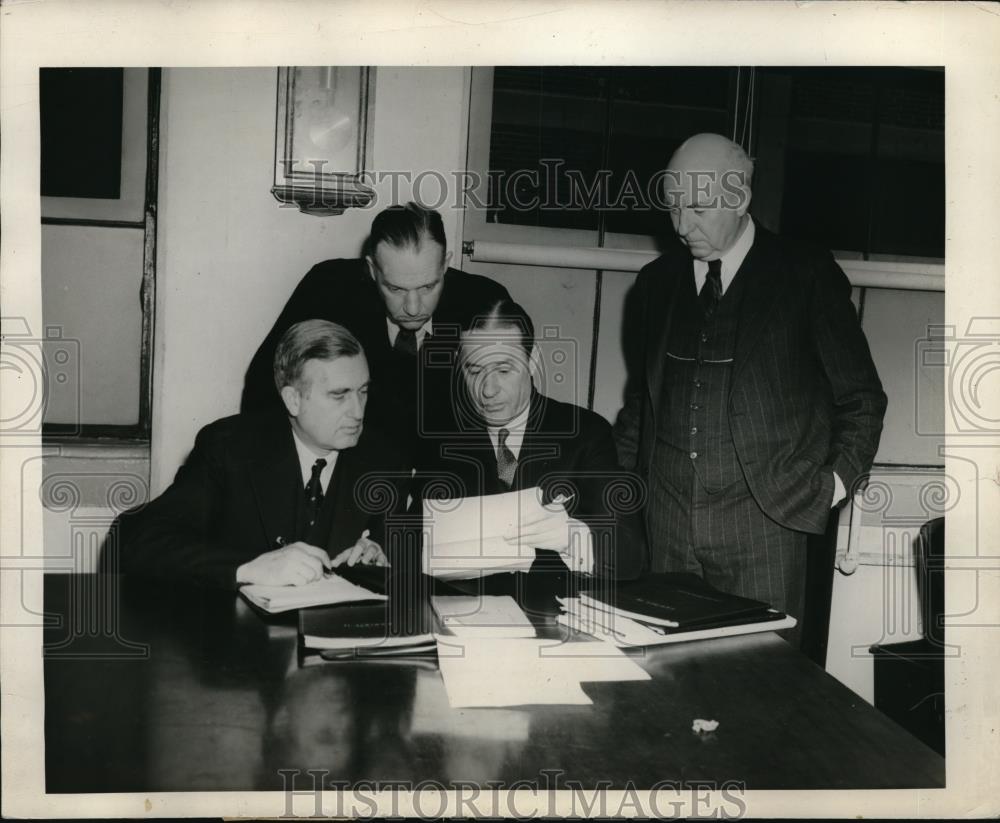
{"x":505,"y":313}
{"x":405,"y":227}
{"x":310,"y":340}
{"x":741,"y":162}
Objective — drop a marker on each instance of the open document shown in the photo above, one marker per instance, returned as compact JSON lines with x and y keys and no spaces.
{"x":535,"y":671}
{"x":465,"y":537}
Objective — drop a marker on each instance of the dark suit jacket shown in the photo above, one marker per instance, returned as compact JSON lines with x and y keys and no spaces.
{"x":237,"y":495}
{"x":804,"y":397}
{"x":342,"y":291}
{"x":568,"y":450}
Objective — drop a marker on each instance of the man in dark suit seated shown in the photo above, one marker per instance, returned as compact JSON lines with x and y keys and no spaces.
{"x":406,"y":306}
{"x":510,"y":437}
{"x":278,"y":500}
{"x":756,"y":406}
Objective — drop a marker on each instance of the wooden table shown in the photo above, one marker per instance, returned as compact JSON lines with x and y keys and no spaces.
{"x":163,"y":688}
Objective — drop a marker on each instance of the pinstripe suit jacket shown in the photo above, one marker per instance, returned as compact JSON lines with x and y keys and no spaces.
{"x":805,"y":399}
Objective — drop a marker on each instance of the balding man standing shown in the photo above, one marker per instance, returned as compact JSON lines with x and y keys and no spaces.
{"x":756,"y":405}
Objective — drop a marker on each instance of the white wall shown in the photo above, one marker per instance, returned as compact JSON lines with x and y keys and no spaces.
{"x":229,"y":255}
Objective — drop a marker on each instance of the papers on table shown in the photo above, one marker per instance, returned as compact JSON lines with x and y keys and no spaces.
{"x":486,"y":616}
{"x":432,"y":715}
{"x":324,"y":592}
{"x":521,"y":672}
{"x":465,"y":536}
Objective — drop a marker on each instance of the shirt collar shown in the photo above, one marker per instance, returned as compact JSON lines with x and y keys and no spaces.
{"x":307,"y":457}
{"x":731,"y":260}
{"x":516,"y":427}
{"x":421,"y":333}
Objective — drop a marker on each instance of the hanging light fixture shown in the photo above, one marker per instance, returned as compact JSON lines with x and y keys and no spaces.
{"x":322,"y":138}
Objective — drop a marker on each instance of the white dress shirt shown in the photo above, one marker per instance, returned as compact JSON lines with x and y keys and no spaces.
{"x":421,"y":333}
{"x":731,"y":260}
{"x":516,"y":428}
{"x":307,"y":457}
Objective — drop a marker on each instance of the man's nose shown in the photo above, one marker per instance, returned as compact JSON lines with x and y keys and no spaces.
{"x":411,"y":303}
{"x":357,"y":408}
{"x":683,"y":222}
{"x":490,"y":386}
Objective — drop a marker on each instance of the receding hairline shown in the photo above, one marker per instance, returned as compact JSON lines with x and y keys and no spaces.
{"x":712,"y":152}
{"x":493,"y":325}
{"x":424,"y":238}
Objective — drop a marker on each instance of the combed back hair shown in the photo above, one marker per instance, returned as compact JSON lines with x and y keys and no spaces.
{"x":504,"y":314}
{"x":310,"y":340}
{"x":406,"y":227}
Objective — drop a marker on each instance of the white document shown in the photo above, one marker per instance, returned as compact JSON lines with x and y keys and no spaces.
{"x":432,"y":715}
{"x":534,"y":672}
{"x":465,"y":536}
{"x":486,"y":616}
{"x":324,"y":592}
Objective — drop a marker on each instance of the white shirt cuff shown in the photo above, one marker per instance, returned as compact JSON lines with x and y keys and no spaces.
{"x":839,"y":492}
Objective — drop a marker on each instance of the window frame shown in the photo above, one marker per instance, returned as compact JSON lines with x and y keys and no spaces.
{"x":59,"y":213}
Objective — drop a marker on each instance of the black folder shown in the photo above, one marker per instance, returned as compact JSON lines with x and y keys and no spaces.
{"x":401,"y":625}
{"x":677,"y":601}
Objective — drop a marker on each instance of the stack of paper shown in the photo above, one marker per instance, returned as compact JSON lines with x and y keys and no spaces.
{"x":535,"y":672}
{"x":486,"y":616}
{"x":466,"y":536}
{"x":326,"y":591}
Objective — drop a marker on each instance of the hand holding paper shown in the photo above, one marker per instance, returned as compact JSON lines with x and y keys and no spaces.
{"x":551,"y":527}
{"x":500,"y":533}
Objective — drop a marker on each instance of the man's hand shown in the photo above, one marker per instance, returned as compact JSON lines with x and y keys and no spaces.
{"x":365,"y":551}
{"x":552,"y":528}
{"x":293,"y":565}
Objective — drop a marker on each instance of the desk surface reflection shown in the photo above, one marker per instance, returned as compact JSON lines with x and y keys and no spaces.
{"x":171,"y":689}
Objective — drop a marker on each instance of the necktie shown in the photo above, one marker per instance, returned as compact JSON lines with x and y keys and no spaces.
{"x":314,"y":491}
{"x":711,"y":292}
{"x":506,"y":462}
{"x":406,"y":342}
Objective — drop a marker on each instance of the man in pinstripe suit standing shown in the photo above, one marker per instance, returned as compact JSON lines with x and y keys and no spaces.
{"x":756,"y":406}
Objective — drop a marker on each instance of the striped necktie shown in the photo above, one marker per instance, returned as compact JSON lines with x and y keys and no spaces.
{"x":506,"y":462}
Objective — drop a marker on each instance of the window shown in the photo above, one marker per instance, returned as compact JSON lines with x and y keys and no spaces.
{"x":851,"y":159}
{"x":98,"y":188}
{"x":864,"y":159}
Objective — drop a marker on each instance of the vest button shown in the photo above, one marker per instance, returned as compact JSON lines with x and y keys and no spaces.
{"x":704,"y":337}
{"x":695,"y":407}
{"x":697,"y":384}
{"x":693,"y":455}
{"x":694,"y":430}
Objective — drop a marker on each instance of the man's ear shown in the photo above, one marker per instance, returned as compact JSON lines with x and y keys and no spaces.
{"x":446,"y":261}
{"x":370,"y":265}
{"x":745,"y":197}
{"x":292,"y":399}
{"x":535,"y":366}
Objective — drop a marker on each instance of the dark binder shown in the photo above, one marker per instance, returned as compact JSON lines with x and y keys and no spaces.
{"x":677,"y":602}
{"x":402,"y":625}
